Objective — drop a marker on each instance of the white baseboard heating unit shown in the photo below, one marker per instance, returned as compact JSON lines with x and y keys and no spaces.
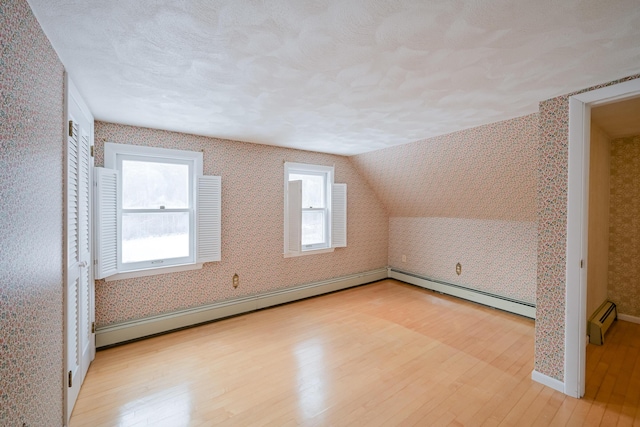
{"x":601,"y":321}
{"x":484,"y":298}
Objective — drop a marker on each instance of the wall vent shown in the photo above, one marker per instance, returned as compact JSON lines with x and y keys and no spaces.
{"x":601,"y":321}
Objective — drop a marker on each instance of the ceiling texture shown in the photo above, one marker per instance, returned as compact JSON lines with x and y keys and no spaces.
{"x":335,"y":76}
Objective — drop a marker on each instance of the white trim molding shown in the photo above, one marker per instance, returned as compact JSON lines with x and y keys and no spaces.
{"x":577,"y":226}
{"x":135,"y":329}
{"x":547,"y":381}
{"x":628,"y":318}
{"x":152,"y":272}
{"x":495,"y":301}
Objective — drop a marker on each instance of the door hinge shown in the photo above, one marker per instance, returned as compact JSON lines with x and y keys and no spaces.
{"x":70,"y":127}
{"x":581,"y":263}
{"x":92,"y":151}
{"x":70,"y":381}
{"x":93,"y":327}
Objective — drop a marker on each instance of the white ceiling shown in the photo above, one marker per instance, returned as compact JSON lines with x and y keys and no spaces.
{"x":337,"y":76}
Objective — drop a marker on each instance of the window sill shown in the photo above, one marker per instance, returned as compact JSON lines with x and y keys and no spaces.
{"x":309,"y":252}
{"x":153,"y":271}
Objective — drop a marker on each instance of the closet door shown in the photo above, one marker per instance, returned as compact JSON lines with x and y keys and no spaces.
{"x":79,"y":316}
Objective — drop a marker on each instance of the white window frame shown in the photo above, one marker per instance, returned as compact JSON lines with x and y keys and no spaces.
{"x":141,"y":265}
{"x":113,"y":156}
{"x":295,"y":248}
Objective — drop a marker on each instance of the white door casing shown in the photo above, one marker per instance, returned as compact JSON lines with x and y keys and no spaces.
{"x":577,"y":226}
{"x":79,"y":285}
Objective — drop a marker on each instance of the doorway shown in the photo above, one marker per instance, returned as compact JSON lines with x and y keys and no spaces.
{"x":613,"y":230}
{"x":577,"y":225}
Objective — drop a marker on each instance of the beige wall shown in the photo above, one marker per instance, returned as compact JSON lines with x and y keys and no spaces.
{"x":598,"y":257}
{"x":252,"y":228}
{"x":465,"y":197}
{"x":624,"y":237}
{"x":31,"y":167}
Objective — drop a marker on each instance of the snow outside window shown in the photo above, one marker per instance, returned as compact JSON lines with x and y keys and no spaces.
{"x":166,"y":213}
{"x":315,"y":210}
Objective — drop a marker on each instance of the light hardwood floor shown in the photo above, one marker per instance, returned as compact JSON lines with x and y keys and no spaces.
{"x":383,"y":354}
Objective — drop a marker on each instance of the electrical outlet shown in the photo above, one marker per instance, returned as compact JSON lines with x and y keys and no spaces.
{"x":236,"y":280}
{"x":404,"y":258}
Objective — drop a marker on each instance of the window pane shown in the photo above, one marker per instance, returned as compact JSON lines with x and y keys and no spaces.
{"x":152,"y":236}
{"x":312,"y":189}
{"x":149,"y":185}
{"x":312,"y":227}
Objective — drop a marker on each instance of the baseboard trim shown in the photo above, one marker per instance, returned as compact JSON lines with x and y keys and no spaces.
{"x":512,"y":306}
{"x":547,"y":381}
{"x":628,"y":318}
{"x":132,"y":330}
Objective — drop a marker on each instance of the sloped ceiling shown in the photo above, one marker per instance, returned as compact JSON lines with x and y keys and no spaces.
{"x":488,"y":172}
{"x":338,"y":76}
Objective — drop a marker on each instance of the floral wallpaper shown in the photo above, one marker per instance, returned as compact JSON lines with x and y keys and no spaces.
{"x":624,"y":227}
{"x":552,"y":232}
{"x":252,"y":228}
{"x":498,"y":257}
{"x":487,"y":172}
{"x":436,"y":189}
{"x":466,"y":197}
{"x":31,"y":166}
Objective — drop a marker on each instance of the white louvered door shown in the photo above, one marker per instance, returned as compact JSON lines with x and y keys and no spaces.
{"x":79,"y":316}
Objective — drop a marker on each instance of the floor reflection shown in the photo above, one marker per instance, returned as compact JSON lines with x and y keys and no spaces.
{"x":169,"y":407}
{"x":311,"y":377}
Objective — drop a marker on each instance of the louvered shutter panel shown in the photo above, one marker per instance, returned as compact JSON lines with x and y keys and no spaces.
{"x":339,"y":215}
{"x":106,"y":220}
{"x":208,"y":219}
{"x":73,"y":196}
{"x":294,"y":190}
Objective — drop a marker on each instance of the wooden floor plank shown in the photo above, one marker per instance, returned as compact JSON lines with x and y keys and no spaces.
{"x":384,"y":354}
{"x":563,"y":414}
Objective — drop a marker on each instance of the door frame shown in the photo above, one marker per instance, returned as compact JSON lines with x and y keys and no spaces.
{"x":577,"y":226}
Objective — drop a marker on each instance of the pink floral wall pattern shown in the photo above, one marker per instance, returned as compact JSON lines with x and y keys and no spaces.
{"x":466,"y":197}
{"x":552,"y":233}
{"x":252,"y":228}
{"x":624,"y":228}
{"x":486,"y":172}
{"x":31,"y":117}
{"x":493,"y":198}
{"x":498,"y":257}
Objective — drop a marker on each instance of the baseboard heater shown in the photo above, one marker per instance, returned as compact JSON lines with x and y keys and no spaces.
{"x":107,"y":336}
{"x":601,"y":321}
{"x":496,"y":301}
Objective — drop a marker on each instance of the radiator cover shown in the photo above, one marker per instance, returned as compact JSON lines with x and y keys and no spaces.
{"x":601,"y":321}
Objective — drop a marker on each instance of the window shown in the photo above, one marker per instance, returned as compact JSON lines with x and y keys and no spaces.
{"x":315,"y":210}
{"x":157,"y":211}
{"x":154,"y":210}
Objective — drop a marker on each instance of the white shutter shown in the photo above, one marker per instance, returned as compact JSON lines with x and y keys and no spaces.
{"x":294,"y":200}
{"x":106,"y":220}
{"x":208,"y":219}
{"x":339,"y":215}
